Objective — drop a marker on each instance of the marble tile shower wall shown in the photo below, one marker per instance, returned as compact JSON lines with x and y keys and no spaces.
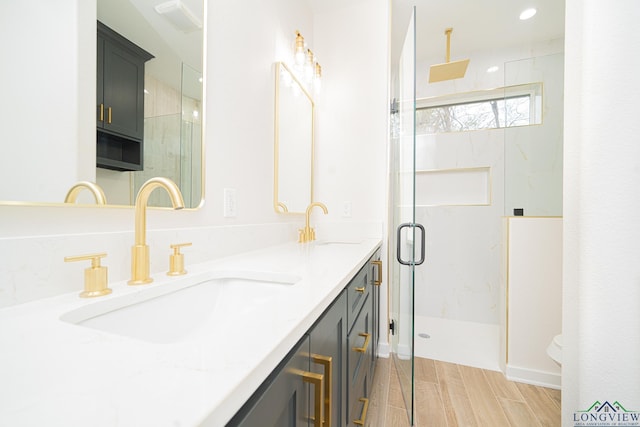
{"x":33,"y":267}
{"x":172,"y":134}
{"x":462,"y":277}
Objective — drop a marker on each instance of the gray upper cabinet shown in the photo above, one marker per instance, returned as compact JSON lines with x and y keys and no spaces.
{"x":120,"y":100}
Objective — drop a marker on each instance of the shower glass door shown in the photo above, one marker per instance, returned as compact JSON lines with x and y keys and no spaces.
{"x":402,"y":209}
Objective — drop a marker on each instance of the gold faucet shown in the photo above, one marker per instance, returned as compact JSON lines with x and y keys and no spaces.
{"x":308,"y":234}
{"x":140,"y":251}
{"x":94,"y":188}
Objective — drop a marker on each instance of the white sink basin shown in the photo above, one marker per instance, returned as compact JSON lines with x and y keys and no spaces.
{"x":170,"y":312}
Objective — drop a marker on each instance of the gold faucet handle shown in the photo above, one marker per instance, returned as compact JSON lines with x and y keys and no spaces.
{"x":95,"y":277}
{"x":176,"y":260}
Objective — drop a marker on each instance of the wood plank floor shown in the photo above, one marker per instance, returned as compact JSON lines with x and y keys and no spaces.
{"x":450,"y":395}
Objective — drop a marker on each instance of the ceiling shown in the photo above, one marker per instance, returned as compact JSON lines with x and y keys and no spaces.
{"x":477,"y":25}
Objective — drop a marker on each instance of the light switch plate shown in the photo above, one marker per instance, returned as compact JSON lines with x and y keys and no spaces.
{"x":230,"y":205}
{"x":346,"y":210}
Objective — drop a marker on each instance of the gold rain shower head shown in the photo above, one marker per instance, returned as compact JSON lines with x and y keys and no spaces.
{"x":449,"y":70}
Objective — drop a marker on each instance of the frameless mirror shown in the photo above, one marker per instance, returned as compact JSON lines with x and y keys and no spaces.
{"x":294,"y":110}
{"x":47,"y":108}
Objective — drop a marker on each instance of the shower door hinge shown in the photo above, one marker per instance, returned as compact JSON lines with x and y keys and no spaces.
{"x":392,"y":327}
{"x":394,"y":107}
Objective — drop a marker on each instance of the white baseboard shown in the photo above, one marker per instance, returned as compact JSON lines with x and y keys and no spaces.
{"x":384,"y":350}
{"x":404,"y":352}
{"x":534,"y":377}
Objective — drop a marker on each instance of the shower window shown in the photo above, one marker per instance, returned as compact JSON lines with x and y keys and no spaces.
{"x":492,"y":109}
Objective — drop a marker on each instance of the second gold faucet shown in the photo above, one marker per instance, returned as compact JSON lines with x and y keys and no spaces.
{"x":140,"y":251}
{"x":308,"y":234}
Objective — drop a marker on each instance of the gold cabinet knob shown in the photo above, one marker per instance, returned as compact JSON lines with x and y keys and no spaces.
{"x":95,"y":277}
{"x":176,"y":260}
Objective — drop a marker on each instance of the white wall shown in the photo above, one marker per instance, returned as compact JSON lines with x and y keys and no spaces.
{"x":241,"y":51}
{"x":534,"y":298}
{"x":351,"y":41}
{"x":601,"y":320}
{"x":43,"y":125}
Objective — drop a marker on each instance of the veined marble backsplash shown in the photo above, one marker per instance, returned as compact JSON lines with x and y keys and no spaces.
{"x":33,"y":267}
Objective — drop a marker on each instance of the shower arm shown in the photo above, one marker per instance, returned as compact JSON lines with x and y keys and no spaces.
{"x":447,"y":33}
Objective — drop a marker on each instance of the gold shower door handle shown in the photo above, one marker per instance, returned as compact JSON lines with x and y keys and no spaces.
{"x":363,"y":349}
{"x":363,"y":416}
{"x":327,"y":363}
{"x":378,"y":280}
{"x":316,"y":380}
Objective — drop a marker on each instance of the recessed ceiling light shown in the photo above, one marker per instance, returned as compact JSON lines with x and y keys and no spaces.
{"x":528,"y":13}
{"x":493,"y":69}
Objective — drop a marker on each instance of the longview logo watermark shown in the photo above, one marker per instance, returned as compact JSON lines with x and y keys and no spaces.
{"x":606,"y":414}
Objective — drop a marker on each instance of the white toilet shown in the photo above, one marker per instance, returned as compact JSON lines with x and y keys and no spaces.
{"x":554,"y":350}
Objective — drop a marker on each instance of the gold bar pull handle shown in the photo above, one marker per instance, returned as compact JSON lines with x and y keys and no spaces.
{"x":367,"y":338}
{"x":361,"y":290}
{"x":327,"y":362}
{"x":109,"y":115}
{"x":101,"y":112}
{"x":315,"y":380}
{"x":378,"y":280}
{"x":363,"y":416}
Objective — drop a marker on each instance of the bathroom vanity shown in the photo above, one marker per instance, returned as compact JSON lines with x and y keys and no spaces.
{"x":216,"y":346}
{"x":329,"y":370}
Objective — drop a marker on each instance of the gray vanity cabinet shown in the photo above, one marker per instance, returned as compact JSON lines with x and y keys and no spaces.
{"x":120,"y":101}
{"x":283,"y":399}
{"x":328,"y":357}
{"x":309,"y":384}
{"x":363,"y":308}
{"x":359,"y":366}
{"x":376,"y":281}
{"x":325,"y":380}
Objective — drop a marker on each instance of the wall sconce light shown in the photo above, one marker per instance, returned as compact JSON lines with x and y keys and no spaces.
{"x":306,"y":65}
{"x":309,"y":67}
{"x":299,"y":54}
{"x":317,"y":78}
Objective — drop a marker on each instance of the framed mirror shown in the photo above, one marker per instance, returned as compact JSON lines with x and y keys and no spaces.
{"x":294,"y":127}
{"x":48,"y":116}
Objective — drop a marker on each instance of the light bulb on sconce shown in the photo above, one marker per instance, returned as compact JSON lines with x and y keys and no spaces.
{"x":299,"y":53}
{"x":317,"y":78}
{"x":309,"y":67}
{"x":305,"y":67}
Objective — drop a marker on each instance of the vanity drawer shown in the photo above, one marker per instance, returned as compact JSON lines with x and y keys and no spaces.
{"x":359,"y":350}
{"x":359,"y":404}
{"x":357,"y":293}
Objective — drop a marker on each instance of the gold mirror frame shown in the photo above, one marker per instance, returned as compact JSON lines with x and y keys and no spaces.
{"x":86,"y":199}
{"x":299,"y":167}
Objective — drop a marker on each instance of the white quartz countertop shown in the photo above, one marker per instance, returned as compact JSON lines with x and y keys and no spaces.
{"x":56,"y":373}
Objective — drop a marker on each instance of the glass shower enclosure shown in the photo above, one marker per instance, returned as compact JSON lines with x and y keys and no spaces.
{"x":406,"y":236}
